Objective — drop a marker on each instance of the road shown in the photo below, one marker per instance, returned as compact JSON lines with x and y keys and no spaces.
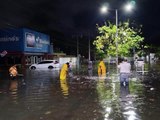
{"x":41,"y":96}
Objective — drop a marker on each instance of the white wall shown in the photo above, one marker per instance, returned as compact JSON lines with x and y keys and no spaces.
{"x":71,"y":60}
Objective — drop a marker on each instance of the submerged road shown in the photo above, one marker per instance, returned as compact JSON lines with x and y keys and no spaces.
{"x":41,"y":96}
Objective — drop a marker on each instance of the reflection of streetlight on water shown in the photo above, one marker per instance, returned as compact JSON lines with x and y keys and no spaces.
{"x":128,"y":8}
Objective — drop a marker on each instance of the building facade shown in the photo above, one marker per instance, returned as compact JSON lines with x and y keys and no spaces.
{"x":24,"y":46}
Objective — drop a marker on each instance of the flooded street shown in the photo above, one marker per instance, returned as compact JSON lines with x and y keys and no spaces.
{"x":39,"y":95}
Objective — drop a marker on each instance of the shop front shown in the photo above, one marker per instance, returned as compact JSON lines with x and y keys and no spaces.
{"x":24,"y":46}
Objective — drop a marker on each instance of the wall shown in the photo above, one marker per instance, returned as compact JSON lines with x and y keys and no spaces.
{"x":71,"y":60}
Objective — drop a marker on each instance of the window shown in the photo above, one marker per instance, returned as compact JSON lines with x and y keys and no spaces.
{"x":45,"y":62}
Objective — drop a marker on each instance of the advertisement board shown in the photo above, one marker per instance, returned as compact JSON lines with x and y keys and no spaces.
{"x":36,"y":41}
{"x":24,"y":40}
{"x":11,"y":40}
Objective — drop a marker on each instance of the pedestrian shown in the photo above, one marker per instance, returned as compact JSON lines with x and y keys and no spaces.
{"x":90,"y":68}
{"x":70,"y":73}
{"x":13,"y":72}
{"x":64,"y":71}
{"x":70,"y":65}
{"x":125,"y":70}
{"x":101,"y":69}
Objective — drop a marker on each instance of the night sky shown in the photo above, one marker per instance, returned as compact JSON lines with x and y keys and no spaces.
{"x":64,"y":20}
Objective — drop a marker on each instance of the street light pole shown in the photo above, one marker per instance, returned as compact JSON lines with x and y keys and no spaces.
{"x":128,"y":7}
{"x":77,"y":46}
{"x":89,"y":50}
{"x":116,"y":10}
{"x":77,"y":53}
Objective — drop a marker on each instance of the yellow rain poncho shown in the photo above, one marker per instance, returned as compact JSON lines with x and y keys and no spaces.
{"x":101,"y":69}
{"x":63,"y":72}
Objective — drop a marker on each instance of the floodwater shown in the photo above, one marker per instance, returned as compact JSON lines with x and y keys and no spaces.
{"x":40,"y":95}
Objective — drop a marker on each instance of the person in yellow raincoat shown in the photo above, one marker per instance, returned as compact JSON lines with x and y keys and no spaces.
{"x":64,"y":71}
{"x":101,"y":69}
{"x":13,"y":71}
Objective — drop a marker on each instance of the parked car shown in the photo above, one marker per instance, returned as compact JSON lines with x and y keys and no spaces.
{"x":45,"y":64}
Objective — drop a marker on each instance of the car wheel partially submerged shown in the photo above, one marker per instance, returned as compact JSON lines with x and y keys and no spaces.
{"x":50,"y":67}
{"x":33,"y":68}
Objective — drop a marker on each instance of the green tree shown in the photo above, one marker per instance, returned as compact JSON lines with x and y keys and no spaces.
{"x":127,"y":39}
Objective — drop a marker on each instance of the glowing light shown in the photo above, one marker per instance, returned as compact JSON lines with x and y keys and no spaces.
{"x":104,"y":9}
{"x":129,"y":6}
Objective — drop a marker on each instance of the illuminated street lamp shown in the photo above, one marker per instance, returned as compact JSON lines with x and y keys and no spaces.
{"x":128,"y":8}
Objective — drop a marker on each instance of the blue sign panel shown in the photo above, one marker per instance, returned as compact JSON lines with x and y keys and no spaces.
{"x":11,"y":40}
{"x":24,"y":40}
{"x":36,"y":41}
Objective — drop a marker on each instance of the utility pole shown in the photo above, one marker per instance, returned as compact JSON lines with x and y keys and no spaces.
{"x":77,"y":52}
{"x":89,"y":49}
{"x":116,"y":36}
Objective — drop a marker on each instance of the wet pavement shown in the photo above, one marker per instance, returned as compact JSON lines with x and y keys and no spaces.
{"x":39,"y":95}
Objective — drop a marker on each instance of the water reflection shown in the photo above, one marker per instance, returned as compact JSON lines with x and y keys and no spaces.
{"x":105,"y":97}
{"x":13,"y":90}
{"x":124,"y":91}
{"x":64,"y":88}
{"x":90,"y":72}
{"x":127,"y":104}
{"x":89,"y":98}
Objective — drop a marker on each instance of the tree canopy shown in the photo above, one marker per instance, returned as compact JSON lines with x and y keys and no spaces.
{"x":109,"y":44}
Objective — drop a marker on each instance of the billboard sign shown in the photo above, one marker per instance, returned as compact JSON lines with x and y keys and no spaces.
{"x":11,"y":40}
{"x":24,"y":40}
{"x":36,"y":42}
